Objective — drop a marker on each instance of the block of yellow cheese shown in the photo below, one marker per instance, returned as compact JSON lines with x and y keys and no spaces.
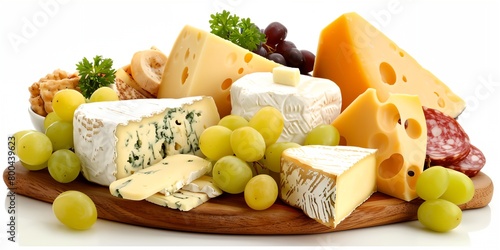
{"x":202,"y":63}
{"x":356,"y":56}
{"x":397,"y":129}
{"x":327,"y":182}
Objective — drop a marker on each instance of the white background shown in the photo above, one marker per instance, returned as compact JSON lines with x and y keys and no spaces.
{"x":456,"y":40}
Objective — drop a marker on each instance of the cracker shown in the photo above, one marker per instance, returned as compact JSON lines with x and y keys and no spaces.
{"x":37,"y":105}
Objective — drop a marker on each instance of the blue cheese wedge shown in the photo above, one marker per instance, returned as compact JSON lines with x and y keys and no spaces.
{"x":327,"y":182}
{"x":182,"y":200}
{"x":167,"y":176}
{"x":205,"y":185}
{"x":311,"y":102}
{"x":115,"y":139}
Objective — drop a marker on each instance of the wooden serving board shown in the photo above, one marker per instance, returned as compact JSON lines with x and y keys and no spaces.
{"x":226,"y":214}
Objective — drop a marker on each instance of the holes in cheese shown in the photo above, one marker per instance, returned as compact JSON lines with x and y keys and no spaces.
{"x":396,"y":128}
{"x":202,"y":63}
{"x":356,"y":56}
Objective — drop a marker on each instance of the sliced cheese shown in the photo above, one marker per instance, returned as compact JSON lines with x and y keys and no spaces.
{"x":397,"y":129}
{"x":205,"y":185}
{"x":327,"y":182}
{"x":182,"y":200}
{"x":115,"y":139}
{"x":356,"y":55}
{"x":202,"y":63}
{"x":312,"y":102}
{"x":168,"y":176}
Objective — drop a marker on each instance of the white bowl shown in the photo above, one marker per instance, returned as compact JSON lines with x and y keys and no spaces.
{"x":36,"y":120}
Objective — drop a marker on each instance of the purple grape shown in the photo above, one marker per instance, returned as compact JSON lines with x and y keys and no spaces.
{"x":294,"y":58}
{"x":275,"y":32}
{"x":308,"y":64}
{"x":284,"y":46}
{"x":260,"y":51}
{"x":277,"y":57}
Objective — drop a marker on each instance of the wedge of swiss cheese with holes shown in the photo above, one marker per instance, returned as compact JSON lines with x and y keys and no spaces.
{"x":356,"y":56}
{"x":396,"y":128}
{"x":202,"y":63}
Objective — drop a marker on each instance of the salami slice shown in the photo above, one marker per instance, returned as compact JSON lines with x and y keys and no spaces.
{"x":472,"y":164}
{"x":447,"y":141}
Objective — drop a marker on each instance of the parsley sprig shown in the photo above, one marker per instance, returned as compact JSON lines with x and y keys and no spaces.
{"x":241,"y":32}
{"x":94,"y":75}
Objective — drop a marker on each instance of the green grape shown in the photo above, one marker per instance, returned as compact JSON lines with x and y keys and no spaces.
{"x":34,"y":148}
{"x":49,"y":119}
{"x":233,"y":122}
{"x":104,"y":94}
{"x":261,"y":192}
{"x":432,"y":183}
{"x":60,"y":134}
{"x":34,"y":167}
{"x":65,"y":102}
{"x":439,"y":215}
{"x":231,"y":174}
{"x":75,"y":210}
{"x":460,"y":188}
{"x":269,"y":122}
{"x":272,"y":156}
{"x":247,"y":144}
{"x":214,"y":142}
{"x":324,"y":134}
{"x":18,"y":136}
{"x":64,"y":166}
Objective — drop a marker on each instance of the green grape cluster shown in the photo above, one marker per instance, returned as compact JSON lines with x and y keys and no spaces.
{"x":247,"y":153}
{"x":53,"y":148}
{"x":442,"y":190}
{"x":240,"y":149}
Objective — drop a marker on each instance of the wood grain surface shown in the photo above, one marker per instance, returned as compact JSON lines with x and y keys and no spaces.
{"x":227,"y":214}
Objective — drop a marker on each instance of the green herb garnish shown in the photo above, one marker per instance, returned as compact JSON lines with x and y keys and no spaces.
{"x":94,"y":75}
{"x":241,"y":32}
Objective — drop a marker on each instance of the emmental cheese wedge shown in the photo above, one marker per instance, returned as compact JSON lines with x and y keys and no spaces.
{"x":168,"y":176}
{"x":201,"y":63}
{"x":396,"y":128}
{"x":356,"y":56}
{"x":327,"y":182}
{"x":115,"y":139}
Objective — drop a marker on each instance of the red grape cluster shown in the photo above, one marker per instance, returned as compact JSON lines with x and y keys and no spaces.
{"x":284,"y":52}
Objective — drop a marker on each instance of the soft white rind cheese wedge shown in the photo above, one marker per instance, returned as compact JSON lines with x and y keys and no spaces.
{"x":115,"y":139}
{"x":312,"y":102}
{"x":168,"y":176}
{"x":205,"y":185}
{"x":327,"y":182}
{"x":182,"y":200}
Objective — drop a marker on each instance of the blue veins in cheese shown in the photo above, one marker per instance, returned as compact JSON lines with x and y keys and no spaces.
{"x":167,"y":176}
{"x":308,"y":103}
{"x":182,"y":200}
{"x":115,"y":139}
{"x":327,"y":182}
